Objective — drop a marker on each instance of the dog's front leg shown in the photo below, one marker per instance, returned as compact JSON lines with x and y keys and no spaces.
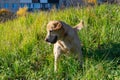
{"x":57,"y":52}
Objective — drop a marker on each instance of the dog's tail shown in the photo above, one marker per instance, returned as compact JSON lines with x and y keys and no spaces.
{"x":79,"y":26}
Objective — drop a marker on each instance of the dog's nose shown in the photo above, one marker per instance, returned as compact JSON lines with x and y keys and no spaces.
{"x":46,"y":39}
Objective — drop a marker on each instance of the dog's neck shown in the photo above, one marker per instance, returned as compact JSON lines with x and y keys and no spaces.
{"x":65,"y":34}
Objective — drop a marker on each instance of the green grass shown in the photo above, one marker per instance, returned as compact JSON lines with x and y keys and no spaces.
{"x":24,"y":55}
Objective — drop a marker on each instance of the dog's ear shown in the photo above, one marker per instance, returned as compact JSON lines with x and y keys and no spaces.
{"x":57,"y":25}
{"x":79,"y":26}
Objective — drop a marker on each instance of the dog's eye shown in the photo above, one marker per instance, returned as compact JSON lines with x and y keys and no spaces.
{"x":50,"y":31}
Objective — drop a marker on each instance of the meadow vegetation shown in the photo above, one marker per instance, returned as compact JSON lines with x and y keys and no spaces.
{"x":24,"y":55}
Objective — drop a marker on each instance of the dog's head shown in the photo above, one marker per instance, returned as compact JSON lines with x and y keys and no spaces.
{"x":54,"y":30}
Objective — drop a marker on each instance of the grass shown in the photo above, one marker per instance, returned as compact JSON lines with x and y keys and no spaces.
{"x":24,"y":55}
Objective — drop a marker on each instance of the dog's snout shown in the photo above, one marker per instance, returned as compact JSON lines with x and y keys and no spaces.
{"x":46,"y":39}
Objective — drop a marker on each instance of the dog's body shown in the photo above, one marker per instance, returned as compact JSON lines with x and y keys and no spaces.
{"x":64,"y":38}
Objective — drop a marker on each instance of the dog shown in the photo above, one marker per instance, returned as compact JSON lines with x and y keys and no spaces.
{"x":65,"y":39}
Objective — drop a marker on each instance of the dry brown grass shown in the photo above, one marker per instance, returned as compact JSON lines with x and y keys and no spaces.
{"x":22,"y":11}
{"x":6,"y":15}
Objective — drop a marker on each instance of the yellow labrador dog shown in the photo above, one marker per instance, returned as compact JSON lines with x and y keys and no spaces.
{"x":64,"y":38}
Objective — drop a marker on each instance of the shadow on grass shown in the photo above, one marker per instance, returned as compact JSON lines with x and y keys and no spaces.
{"x":109,"y":52}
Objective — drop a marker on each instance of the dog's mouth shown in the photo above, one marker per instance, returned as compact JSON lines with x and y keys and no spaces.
{"x":54,"y":40}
